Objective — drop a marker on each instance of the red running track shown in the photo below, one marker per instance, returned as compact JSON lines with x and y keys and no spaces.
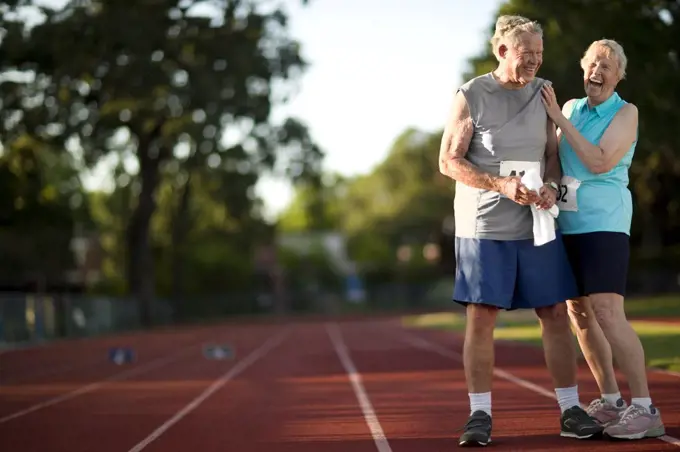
{"x":357,"y":386}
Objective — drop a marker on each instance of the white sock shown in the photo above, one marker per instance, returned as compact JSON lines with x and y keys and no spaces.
{"x":567,"y":398}
{"x":612,"y":398}
{"x":480,"y":401}
{"x":645,"y":402}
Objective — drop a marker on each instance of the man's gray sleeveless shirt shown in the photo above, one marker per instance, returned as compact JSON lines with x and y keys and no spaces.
{"x":509,"y":137}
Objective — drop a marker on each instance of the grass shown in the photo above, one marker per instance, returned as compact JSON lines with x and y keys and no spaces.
{"x":660,"y":306}
{"x":661,"y":341}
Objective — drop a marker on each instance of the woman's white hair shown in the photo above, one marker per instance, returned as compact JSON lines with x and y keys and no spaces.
{"x":613,"y":49}
{"x":509,"y":28}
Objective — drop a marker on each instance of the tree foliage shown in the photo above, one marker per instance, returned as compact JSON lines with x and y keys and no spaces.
{"x":163,"y":86}
{"x":42,"y":200}
{"x":403,"y":201}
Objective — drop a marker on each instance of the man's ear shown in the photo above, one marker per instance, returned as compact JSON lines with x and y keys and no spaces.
{"x":502,"y":50}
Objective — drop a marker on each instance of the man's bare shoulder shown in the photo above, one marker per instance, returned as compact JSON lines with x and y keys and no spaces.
{"x":481,"y":81}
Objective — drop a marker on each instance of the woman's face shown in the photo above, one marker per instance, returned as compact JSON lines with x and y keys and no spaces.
{"x":600,"y":74}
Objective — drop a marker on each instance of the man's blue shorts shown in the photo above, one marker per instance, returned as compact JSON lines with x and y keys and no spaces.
{"x":512,"y":274}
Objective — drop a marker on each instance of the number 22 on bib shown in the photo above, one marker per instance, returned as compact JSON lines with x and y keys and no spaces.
{"x":566,"y":196}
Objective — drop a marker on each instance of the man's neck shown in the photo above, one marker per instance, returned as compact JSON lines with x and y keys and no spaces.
{"x":504,"y":79}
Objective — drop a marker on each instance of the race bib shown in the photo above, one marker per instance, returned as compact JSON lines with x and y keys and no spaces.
{"x":517,"y":168}
{"x":511,"y":168}
{"x":566,"y":195}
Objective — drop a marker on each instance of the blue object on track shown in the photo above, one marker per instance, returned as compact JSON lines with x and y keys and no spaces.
{"x":218,"y":352}
{"x":121,"y":355}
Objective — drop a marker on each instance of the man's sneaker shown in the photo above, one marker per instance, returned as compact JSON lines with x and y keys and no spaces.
{"x":477,"y":430}
{"x":606,"y":413}
{"x":576,"y":423}
{"x":637,"y":423}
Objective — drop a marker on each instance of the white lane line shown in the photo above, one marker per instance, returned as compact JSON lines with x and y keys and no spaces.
{"x":419,"y":342}
{"x":427,"y":345}
{"x":355,"y":378}
{"x":215,"y":386}
{"x":159,"y":362}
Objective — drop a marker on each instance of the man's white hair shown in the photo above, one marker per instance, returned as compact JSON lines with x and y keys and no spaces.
{"x":509,"y":28}
{"x":613,"y":49}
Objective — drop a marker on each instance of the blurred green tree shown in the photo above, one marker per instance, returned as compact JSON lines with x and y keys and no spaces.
{"x":42,"y":201}
{"x":317,"y":205}
{"x":403,"y":201}
{"x":155,"y":82}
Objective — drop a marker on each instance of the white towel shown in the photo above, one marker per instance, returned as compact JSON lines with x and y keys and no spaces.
{"x":544,"y":220}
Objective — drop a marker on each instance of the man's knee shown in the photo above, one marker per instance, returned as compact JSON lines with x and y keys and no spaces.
{"x":481,"y":319}
{"x":554,"y":316}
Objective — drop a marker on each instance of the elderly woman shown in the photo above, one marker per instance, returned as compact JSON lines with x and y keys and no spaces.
{"x":597,"y":137}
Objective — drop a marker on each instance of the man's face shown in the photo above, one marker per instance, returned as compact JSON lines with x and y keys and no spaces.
{"x":524,"y":58}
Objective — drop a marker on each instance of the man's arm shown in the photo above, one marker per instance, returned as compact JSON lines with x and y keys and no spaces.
{"x":615,"y":142}
{"x":454,"y":145}
{"x":553,"y":169}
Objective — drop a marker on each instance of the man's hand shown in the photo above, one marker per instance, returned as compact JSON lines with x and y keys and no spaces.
{"x":513,"y":188}
{"x":548,"y":197}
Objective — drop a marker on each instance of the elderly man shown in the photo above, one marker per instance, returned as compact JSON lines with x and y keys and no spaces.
{"x":498,"y":129}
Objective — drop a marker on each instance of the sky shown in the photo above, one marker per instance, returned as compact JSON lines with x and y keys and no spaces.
{"x":376,"y":68}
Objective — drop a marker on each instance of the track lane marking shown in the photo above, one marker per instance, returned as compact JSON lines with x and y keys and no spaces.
{"x":151,"y":365}
{"x":239,"y":367}
{"x":359,"y":391}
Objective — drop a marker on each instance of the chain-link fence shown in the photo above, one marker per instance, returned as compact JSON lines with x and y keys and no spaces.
{"x":30,"y":318}
{"x":26,"y":317}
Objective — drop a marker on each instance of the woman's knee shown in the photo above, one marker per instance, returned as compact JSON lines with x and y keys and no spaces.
{"x":608,"y":309}
{"x":580,"y":312}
